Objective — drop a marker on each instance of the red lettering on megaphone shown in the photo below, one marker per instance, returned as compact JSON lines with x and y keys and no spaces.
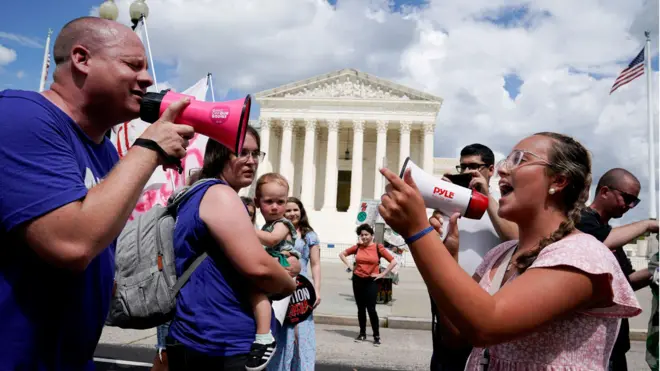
{"x":443,"y":192}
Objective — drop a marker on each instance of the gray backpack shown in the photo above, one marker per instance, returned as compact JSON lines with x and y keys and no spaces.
{"x":146,"y":285}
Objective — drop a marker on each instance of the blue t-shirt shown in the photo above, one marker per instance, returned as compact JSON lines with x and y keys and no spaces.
{"x":213,"y":313}
{"x":50,"y":318}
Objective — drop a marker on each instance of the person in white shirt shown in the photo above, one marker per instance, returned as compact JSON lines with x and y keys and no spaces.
{"x":477,"y":238}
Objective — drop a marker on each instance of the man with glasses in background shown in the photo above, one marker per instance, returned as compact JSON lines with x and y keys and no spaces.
{"x":477,"y":237}
{"x":616,"y":193}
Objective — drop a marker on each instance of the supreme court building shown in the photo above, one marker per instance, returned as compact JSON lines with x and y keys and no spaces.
{"x":329,"y":135}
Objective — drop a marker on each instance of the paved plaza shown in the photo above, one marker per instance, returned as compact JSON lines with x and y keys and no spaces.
{"x":406,"y":345}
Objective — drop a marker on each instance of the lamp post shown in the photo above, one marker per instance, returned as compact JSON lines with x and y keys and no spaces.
{"x":108,"y":10}
{"x":138,"y":9}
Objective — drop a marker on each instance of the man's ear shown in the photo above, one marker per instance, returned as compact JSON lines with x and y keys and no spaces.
{"x":80,"y":58}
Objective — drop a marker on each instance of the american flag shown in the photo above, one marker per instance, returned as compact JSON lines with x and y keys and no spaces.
{"x":634,"y":70}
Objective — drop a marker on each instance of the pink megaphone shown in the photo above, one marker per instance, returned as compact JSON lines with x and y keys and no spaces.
{"x":224,"y":122}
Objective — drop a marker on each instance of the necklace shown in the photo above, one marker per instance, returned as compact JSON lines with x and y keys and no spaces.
{"x":509,"y":266}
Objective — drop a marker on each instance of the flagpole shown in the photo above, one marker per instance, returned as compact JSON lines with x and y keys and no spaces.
{"x":153,"y":73}
{"x":151,"y":58}
{"x":210,"y":78}
{"x":649,"y":107}
{"x":44,"y":66}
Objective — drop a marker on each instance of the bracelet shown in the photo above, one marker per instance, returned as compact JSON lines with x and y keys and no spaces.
{"x":418,"y":235}
{"x":152,"y":145}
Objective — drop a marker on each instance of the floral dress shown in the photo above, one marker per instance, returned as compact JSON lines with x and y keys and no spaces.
{"x":300,"y":354}
{"x":581,"y":341}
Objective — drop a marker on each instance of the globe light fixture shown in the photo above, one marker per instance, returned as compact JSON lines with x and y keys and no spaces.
{"x":108,"y":10}
{"x":138,"y":9}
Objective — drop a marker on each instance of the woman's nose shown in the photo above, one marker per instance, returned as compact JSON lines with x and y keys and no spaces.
{"x":502,"y":171}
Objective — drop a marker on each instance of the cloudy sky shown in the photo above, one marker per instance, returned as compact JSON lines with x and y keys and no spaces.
{"x":505,"y":68}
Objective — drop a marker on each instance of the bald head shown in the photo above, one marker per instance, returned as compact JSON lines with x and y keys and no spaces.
{"x":93,"y":33}
{"x":615,"y":177}
{"x":101,"y":71}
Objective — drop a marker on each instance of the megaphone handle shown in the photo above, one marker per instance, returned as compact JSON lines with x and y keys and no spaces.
{"x":152,"y":145}
{"x":445,"y":226}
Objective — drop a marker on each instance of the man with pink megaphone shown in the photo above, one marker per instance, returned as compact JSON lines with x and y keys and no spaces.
{"x":66,"y":195}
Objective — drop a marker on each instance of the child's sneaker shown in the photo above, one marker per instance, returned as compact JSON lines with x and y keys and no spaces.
{"x":376,"y":341}
{"x":361,"y":337}
{"x":260,"y":355}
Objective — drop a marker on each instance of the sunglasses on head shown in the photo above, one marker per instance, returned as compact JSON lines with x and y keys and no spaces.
{"x":629,"y":199}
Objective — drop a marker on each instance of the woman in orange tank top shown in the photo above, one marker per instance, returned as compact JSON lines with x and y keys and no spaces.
{"x":366,"y":273}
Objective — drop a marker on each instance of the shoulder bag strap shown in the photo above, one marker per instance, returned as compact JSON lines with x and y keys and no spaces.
{"x":501,"y":270}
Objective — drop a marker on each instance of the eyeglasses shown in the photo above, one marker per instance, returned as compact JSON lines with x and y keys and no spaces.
{"x":257,"y":155}
{"x":630,"y":200}
{"x":472,"y":166}
{"x":516,"y":157}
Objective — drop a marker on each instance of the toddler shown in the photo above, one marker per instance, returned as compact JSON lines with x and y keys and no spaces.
{"x":278,"y":236}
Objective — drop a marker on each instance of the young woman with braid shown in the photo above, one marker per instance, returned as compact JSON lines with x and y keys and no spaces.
{"x":562,"y":292}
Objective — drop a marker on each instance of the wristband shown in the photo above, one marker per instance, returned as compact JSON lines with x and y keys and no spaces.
{"x":152,"y":145}
{"x":418,"y":235}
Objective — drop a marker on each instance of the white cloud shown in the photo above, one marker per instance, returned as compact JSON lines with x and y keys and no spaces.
{"x":647,"y":20}
{"x":20,"y":74}
{"x":6,"y":55}
{"x":444,"y":48}
{"x":22,"y":40}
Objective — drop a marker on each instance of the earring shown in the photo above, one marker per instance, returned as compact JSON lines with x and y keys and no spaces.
{"x":551,"y":191}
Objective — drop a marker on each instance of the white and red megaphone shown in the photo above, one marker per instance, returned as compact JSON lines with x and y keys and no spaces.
{"x":448,"y":198}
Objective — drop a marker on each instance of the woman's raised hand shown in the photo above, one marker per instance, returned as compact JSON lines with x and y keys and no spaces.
{"x":402,"y":206}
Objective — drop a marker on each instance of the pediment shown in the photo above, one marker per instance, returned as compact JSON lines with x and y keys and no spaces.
{"x":347,"y":84}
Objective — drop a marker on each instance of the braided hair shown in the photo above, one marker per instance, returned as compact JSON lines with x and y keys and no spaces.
{"x":568,"y":158}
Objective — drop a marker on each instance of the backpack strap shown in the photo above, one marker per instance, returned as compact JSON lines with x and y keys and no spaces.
{"x":172,"y":207}
{"x":188,"y":272}
{"x":182,"y":194}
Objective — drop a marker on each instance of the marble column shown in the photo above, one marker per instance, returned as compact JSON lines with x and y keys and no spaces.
{"x":356,"y":165}
{"x":330,"y":200}
{"x":427,"y":163}
{"x":267,"y":165}
{"x":404,"y":142}
{"x":286,"y":168}
{"x":308,"y":180}
{"x":381,"y":151}
{"x":296,"y":169}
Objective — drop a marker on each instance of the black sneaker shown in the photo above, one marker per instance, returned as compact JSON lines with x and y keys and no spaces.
{"x":260,"y":355}
{"x":361,"y":337}
{"x":376,"y":340}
